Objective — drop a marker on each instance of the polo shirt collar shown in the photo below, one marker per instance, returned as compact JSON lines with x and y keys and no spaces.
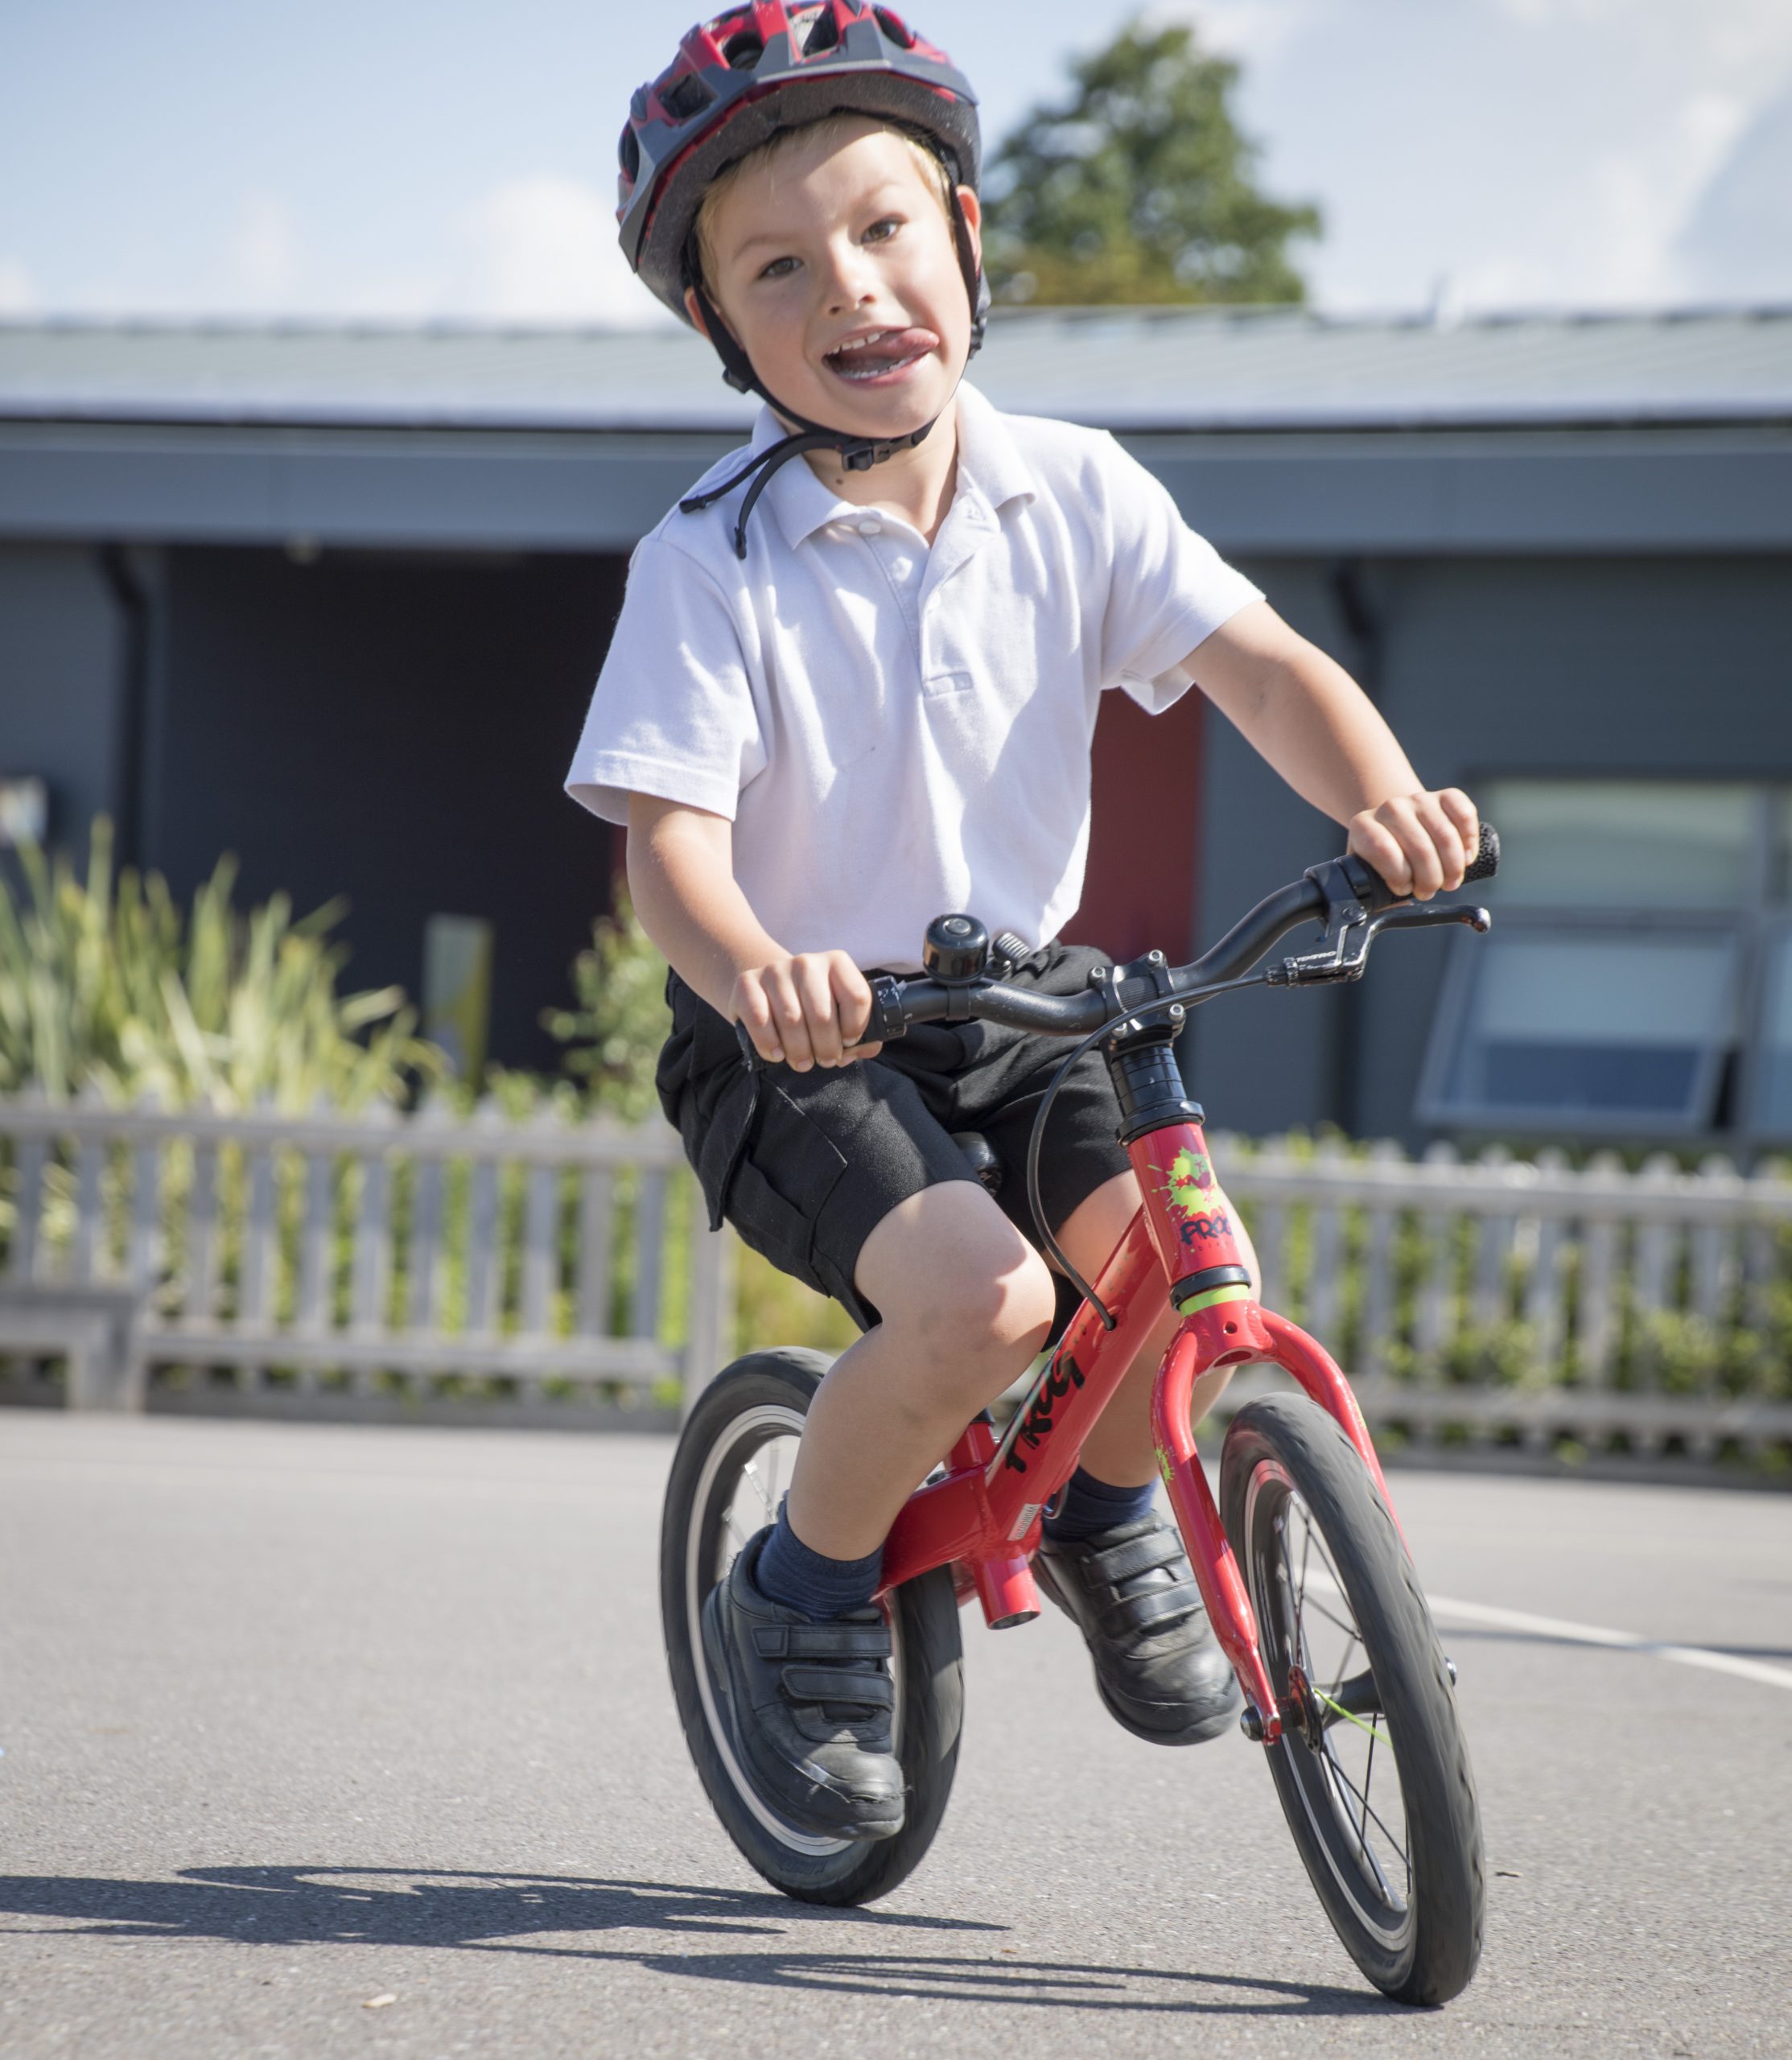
{"x":990,"y":469}
{"x":989,"y":460}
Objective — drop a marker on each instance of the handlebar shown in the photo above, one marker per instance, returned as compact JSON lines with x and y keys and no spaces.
{"x":1347,"y":895}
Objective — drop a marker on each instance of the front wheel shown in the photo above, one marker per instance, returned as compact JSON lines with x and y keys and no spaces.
{"x":1371,"y":1768}
{"x":731,"y":1468}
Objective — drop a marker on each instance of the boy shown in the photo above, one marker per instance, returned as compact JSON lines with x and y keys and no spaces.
{"x":830,"y":715}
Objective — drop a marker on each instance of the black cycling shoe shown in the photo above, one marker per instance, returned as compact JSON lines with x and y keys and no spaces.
{"x":808,"y":1706}
{"x":1131,"y":1593}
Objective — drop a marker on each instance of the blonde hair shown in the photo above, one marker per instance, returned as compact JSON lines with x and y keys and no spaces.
{"x":831,"y":132}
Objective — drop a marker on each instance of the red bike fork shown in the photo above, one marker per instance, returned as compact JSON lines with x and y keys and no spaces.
{"x":1217,"y":1574}
{"x":1223,"y":1326}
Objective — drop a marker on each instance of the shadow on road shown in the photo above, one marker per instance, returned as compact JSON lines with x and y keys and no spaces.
{"x":290,"y":1906}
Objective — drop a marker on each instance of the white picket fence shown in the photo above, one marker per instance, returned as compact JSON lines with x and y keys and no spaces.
{"x":412,"y":1267}
{"x":1531,"y":1302}
{"x":372,"y":1265}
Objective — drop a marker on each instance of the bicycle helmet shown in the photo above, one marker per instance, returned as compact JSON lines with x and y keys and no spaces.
{"x":737,"y":80}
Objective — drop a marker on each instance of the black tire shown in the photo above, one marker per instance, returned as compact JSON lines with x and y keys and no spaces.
{"x":1325,"y":1565}
{"x":760,"y":1398}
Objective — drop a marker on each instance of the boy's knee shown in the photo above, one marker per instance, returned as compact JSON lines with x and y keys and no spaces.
{"x":969,"y":1298}
{"x":1009,"y":1313}
{"x":973,"y":1331}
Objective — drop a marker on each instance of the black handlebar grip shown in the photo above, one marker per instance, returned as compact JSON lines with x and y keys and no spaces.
{"x":1486,"y":861}
{"x":885,"y":1021}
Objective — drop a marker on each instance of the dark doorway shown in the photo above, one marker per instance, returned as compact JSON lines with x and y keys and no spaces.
{"x":393,"y":727}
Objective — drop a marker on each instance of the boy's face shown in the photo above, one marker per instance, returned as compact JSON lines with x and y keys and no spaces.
{"x":837,"y":271}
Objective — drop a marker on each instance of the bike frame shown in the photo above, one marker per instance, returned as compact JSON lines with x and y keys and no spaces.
{"x":982,"y":1516}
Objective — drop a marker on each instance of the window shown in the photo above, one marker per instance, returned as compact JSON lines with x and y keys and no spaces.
{"x":1638,"y":981}
{"x":1624,"y":844}
{"x":1773,"y":1083}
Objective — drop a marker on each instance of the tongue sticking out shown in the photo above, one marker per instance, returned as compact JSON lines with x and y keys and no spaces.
{"x":879,"y":355}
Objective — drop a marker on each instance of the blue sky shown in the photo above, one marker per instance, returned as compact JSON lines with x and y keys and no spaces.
{"x":391,"y":159}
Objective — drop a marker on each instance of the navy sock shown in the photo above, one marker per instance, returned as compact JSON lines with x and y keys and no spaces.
{"x":1088,"y":1505}
{"x":788,"y":1572}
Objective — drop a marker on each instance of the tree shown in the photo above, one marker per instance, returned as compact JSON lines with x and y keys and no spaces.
{"x":1139,"y":187}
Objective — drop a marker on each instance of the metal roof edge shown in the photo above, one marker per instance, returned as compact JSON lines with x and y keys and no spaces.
{"x":1213,"y":312}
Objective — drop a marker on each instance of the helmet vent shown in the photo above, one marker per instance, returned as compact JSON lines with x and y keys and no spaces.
{"x":686,"y":97}
{"x":824,"y":34}
{"x":743,"y":51}
{"x":629,"y":152}
{"x":894,"y":27}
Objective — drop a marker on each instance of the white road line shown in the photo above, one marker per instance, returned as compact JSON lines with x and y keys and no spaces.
{"x":1571,"y":1633}
{"x":1560,"y":1629}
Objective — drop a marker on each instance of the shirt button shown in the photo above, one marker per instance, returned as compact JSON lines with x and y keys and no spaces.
{"x":901,"y":568}
{"x":871,"y":527}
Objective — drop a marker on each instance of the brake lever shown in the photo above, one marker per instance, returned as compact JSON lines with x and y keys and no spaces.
{"x":1349,"y":951}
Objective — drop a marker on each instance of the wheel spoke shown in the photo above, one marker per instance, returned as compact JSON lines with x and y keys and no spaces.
{"x":1339,"y":1623}
{"x":1331,"y":1571}
{"x":750,"y":1472}
{"x":1339,"y":1679}
{"x":1368,"y":1779}
{"x":1370,"y":1815}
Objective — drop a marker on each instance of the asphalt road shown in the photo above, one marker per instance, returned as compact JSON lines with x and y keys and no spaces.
{"x":327,"y":1740}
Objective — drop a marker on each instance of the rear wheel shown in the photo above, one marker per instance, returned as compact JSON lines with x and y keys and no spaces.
{"x":731,"y":1468}
{"x":1371,"y":1768}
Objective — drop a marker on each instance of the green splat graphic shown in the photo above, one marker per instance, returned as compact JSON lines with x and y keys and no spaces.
{"x":1191,"y":1175}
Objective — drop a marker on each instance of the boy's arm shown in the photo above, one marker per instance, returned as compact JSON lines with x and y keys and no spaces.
{"x":1306,"y":715}
{"x":804,"y":1006}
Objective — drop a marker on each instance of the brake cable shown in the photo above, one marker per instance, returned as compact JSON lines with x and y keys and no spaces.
{"x":1053,"y":1250}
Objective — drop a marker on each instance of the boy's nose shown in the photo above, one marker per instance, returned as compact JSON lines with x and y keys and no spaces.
{"x":849,"y":281}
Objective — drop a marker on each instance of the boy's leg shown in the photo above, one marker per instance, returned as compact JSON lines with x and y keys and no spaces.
{"x":965,"y":1304}
{"x":799,"y":1654}
{"x":1108,"y":1559}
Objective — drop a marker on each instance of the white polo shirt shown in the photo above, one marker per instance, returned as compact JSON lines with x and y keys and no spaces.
{"x":895,"y":731}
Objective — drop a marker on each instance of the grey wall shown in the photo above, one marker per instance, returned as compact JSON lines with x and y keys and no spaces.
{"x":62,"y":658}
{"x":1608,"y":667}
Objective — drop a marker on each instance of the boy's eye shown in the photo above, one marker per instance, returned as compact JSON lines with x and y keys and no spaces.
{"x":779,"y":268}
{"x":882,"y":232}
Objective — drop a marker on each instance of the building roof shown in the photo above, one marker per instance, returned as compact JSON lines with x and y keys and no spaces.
{"x":1135,"y":369}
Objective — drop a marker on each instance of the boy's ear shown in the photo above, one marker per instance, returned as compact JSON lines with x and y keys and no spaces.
{"x":694,"y":308}
{"x":971,"y":208}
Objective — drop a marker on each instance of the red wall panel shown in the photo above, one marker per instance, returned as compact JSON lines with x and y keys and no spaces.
{"x":1139,"y":890}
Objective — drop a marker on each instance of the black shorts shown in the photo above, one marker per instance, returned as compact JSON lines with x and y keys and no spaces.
{"x":830,"y":1152}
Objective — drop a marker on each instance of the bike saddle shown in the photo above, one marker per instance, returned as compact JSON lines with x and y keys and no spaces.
{"x":983,"y":1161}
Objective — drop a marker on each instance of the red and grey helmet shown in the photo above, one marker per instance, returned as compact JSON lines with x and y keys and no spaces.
{"x":738,"y":79}
{"x":753,"y":70}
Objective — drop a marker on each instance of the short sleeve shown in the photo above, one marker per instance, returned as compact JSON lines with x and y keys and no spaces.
{"x":672,"y":712}
{"x":1170,"y":590}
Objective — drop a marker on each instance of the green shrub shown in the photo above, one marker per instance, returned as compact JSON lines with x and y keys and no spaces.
{"x":105,"y":984}
{"x":614,"y":1033}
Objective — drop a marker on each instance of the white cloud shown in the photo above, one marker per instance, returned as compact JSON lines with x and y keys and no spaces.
{"x":263,"y":255}
{"x":18,"y":295}
{"x":543,"y":249}
{"x":1737,"y":240}
{"x":1524,"y":151}
{"x":1255,"y":31}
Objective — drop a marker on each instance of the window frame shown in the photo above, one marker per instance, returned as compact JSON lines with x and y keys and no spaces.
{"x":1453,"y":1021}
{"x":1775,"y":935}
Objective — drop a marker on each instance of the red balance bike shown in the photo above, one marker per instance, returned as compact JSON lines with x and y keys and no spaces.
{"x":1302,"y":1565}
